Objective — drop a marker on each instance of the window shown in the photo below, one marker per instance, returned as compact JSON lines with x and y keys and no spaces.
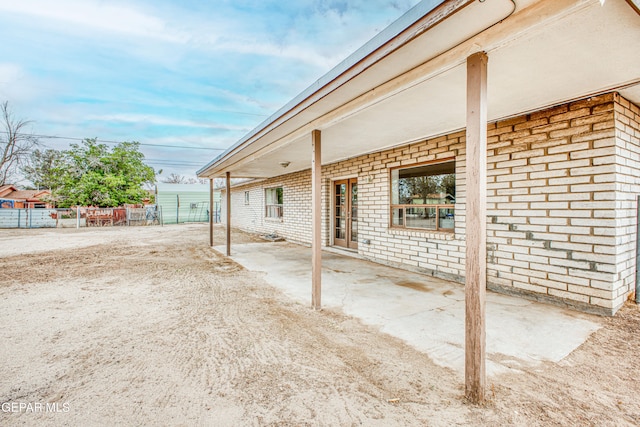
{"x":273,"y":202}
{"x":424,"y":196}
{"x":246,"y":197}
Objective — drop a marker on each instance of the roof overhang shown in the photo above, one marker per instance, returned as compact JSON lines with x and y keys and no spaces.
{"x":409,"y":83}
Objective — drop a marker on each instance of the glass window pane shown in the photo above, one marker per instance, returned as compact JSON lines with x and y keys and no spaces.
{"x":396,"y":216}
{"x":421,"y":217}
{"x":423,"y":190}
{"x":395,"y":187}
{"x":447,"y":218}
{"x":432,"y":184}
{"x":341,"y":228}
{"x":427,"y":190}
{"x":273,"y":202}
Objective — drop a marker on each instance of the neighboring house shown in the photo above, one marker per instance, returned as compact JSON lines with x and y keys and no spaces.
{"x":560,"y":100}
{"x":12,"y":197}
{"x":433,"y":199}
{"x":186,"y":203}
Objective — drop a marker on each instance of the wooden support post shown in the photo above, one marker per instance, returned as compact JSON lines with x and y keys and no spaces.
{"x":228,"y":213}
{"x":316,"y":220}
{"x":476,"y":227}
{"x":211,"y":212}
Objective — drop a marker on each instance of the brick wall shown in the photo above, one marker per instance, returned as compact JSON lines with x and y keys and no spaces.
{"x":551,"y":184}
{"x":295,"y":224}
{"x":439,"y":253}
{"x":561,"y":190}
{"x":627,"y":129}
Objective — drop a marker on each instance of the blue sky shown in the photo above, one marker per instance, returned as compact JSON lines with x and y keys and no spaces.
{"x":180,"y":73}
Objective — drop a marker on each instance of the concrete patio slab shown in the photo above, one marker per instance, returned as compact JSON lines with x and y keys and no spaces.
{"x":425,"y":312}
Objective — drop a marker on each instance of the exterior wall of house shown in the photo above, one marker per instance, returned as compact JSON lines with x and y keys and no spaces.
{"x":561,"y":190}
{"x":627,"y":128}
{"x":439,"y":253}
{"x":250,"y":214}
{"x":551,"y":189}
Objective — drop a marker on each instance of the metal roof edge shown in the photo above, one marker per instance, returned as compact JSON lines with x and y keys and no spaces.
{"x":389,"y":33}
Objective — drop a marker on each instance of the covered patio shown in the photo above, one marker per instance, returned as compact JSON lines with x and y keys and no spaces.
{"x":426,"y":312}
{"x":533,"y":104}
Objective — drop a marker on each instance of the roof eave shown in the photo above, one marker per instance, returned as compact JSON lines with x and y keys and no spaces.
{"x":413,"y":23}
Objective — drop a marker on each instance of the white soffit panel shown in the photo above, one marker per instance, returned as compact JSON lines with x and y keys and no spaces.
{"x":586,"y":52}
{"x":454,"y":30}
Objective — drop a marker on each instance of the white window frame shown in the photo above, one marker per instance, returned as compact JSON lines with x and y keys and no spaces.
{"x":274,"y":205}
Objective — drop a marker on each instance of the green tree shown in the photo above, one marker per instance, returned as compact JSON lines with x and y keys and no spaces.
{"x":419,"y":189}
{"x":41,"y":168}
{"x":422,"y":186}
{"x":449,"y":184}
{"x":91,"y":174}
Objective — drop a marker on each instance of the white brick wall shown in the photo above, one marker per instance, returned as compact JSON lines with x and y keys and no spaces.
{"x":561,"y":190}
{"x":440,"y":253}
{"x":554,"y":204}
{"x":627,"y":184}
{"x":295,"y":224}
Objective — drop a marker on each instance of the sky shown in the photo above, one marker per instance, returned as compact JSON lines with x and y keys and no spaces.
{"x":186,"y":79}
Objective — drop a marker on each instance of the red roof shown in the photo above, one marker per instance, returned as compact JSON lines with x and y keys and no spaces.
{"x":7,"y":189}
{"x":25,"y":195}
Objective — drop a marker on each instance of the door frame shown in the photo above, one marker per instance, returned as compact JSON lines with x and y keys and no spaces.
{"x":350,"y":244}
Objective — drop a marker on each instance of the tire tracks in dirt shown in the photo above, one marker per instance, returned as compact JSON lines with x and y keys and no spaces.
{"x":164,"y":330}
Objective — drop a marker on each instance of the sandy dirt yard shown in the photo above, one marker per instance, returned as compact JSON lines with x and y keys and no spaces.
{"x":149,"y":326}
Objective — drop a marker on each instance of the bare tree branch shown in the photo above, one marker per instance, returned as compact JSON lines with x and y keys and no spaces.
{"x":175,"y":179}
{"x":16,"y":144}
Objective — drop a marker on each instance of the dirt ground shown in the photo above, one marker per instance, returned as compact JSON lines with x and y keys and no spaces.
{"x":149,"y":326}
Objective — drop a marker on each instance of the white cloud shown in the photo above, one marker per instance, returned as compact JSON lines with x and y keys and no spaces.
{"x":18,"y":86}
{"x":96,"y":15}
{"x":9,"y":72}
{"x":178,"y":73}
{"x":292,"y":51}
{"x":224,"y":31}
{"x":194,"y":140}
{"x":162,"y":121}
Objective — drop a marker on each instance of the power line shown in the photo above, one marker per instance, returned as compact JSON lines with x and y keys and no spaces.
{"x":71,"y":138}
{"x":172,"y":163}
{"x":220,"y":110}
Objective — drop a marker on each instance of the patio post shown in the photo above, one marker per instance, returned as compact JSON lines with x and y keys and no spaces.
{"x":476,"y":227}
{"x":228,"y":188}
{"x":210,"y":211}
{"x":316,"y":220}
